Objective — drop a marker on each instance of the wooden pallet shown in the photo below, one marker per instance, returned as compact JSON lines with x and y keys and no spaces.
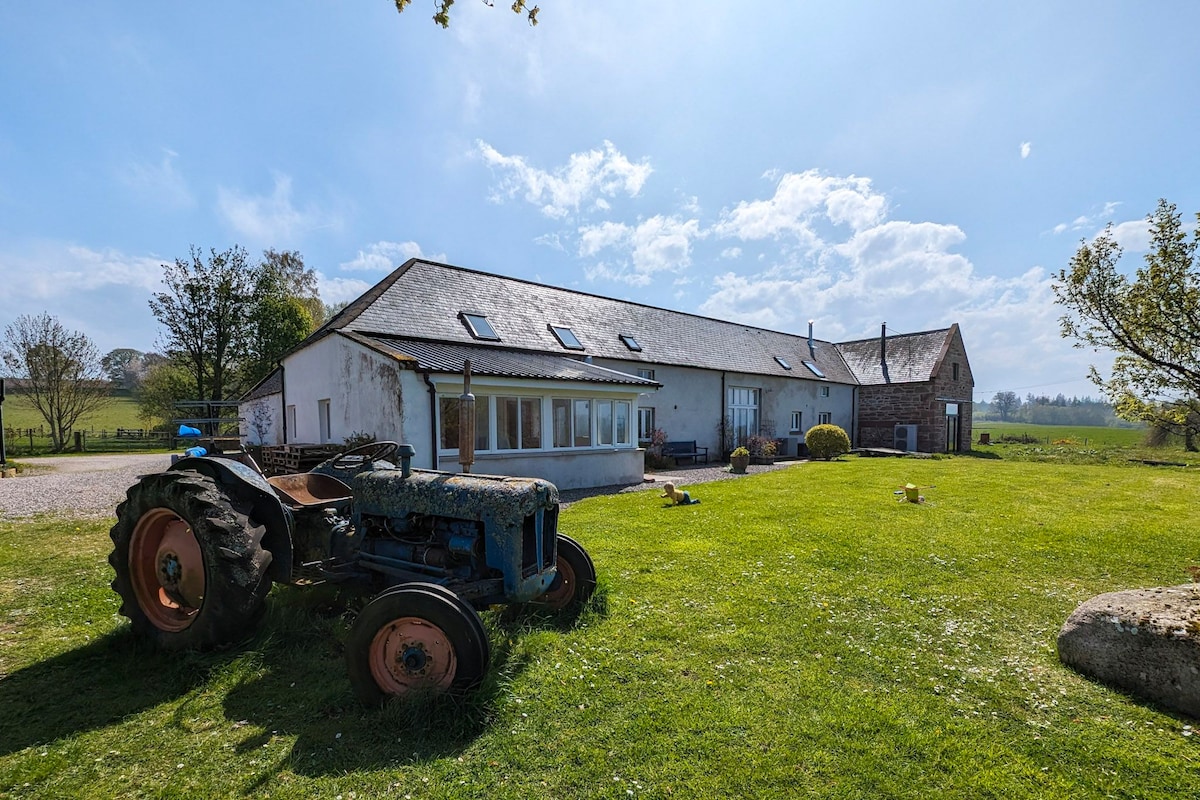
{"x":286,"y":459}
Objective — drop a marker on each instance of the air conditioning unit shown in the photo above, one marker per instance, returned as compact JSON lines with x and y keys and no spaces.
{"x":905,"y":438}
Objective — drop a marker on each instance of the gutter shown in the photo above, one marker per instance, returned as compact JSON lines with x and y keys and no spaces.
{"x":433,"y":430}
{"x":283,"y":399}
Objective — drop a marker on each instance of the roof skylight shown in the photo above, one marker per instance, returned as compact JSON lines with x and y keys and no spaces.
{"x":566,"y":337}
{"x":783,"y":363}
{"x":814,"y":369}
{"x":479,"y":326}
{"x":631,"y":343}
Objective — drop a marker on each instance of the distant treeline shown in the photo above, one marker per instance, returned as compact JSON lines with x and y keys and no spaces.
{"x":1047,"y":410}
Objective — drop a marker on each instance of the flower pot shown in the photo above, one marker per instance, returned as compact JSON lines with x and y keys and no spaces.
{"x":738,"y":464}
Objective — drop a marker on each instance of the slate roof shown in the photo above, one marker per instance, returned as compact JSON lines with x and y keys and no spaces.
{"x":911,"y":357}
{"x":422,"y":300}
{"x":448,"y":358}
{"x":271,"y":384}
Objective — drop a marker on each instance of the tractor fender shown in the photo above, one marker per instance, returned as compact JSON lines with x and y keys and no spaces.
{"x":266,"y":506}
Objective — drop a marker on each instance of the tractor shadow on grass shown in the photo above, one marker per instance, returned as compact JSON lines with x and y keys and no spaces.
{"x":93,"y":686}
{"x":300,"y":691}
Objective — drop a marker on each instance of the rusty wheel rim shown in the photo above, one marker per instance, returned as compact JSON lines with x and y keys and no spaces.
{"x":166,"y":568}
{"x":562,"y":590}
{"x":410,"y":653}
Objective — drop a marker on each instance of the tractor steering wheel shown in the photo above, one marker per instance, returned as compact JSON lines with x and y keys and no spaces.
{"x":364,"y":454}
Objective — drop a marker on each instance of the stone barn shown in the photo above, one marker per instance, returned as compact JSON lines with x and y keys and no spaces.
{"x":915,"y":390}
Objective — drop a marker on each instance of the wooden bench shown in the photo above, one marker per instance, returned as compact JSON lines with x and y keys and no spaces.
{"x":678,"y":450}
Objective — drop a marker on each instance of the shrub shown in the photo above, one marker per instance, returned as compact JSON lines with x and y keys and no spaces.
{"x":761,"y":446}
{"x":739,"y":452}
{"x":826,"y":441}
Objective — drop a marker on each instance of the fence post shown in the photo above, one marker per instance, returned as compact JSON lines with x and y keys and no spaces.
{"x":78,"y":441}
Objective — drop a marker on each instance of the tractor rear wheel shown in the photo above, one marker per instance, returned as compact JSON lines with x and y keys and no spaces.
{"x":576,"y":578}
{"x":190,"y":567}
{"x":415,"y":638}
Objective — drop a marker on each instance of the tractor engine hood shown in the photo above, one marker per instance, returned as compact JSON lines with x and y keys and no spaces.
{"x":497,"y":499}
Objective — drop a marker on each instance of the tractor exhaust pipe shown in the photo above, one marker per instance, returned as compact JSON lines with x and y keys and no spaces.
{"x":466,"y":422}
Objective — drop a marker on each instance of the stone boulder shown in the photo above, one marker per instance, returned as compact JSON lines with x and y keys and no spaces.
{"x":1142,"y":641}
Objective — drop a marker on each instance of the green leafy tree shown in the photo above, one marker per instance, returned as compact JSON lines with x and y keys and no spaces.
{"x":287,"y":308}
{"x":124,"y":367}
{"x":162,"y":386}
{"x":1005,"y":403}
{"x":1151,"y":321}
{"x":205,"y":314}
{"x":63,"y":376}
{"x":442,"y":10}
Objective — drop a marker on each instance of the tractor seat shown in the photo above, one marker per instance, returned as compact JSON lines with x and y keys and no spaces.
{"x":309,"y":489}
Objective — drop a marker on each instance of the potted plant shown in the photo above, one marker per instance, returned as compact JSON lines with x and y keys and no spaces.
{"x":762,"y":449}
{"x":739,"y":459}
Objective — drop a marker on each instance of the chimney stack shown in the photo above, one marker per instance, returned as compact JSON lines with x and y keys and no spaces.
{"x":883,"y":344}
{"x":810,"y":341}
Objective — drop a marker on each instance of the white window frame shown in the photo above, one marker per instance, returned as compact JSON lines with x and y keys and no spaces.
{"x":824,"y":418}
{"x":797,"y":422}
{"x":743,"y":404}
{"x":324,"y":421}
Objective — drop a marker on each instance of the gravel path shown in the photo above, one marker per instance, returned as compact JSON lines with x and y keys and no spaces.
{"x":680,"y":476}
{"x":92,"y":486}
{"x":86,"y":486}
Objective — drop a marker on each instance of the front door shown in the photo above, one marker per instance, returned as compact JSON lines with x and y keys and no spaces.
{"x":952,"y":427}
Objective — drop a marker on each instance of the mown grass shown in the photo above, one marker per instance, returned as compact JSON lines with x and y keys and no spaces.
{"x":119,"y":412}
{"x":797,"y":634}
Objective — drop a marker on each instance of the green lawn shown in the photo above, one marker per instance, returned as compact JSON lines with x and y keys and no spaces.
{"x":797,"y":634}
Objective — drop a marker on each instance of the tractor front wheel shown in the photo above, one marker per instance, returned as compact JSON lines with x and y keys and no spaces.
{"x":576,"y":578}
{"x":189,"y":563}
{"x":415,"y":638}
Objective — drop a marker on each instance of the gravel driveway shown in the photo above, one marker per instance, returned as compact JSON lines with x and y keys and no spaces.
{"x":87,"y":486}
{"x":92,"y":486}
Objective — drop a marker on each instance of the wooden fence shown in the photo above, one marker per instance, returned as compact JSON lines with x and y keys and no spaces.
{"x":37,"y":441}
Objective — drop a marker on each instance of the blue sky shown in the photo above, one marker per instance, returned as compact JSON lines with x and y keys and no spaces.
{"x":918,"y":163}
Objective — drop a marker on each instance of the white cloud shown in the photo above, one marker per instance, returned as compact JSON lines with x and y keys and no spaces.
{"x":271,"y":220}
{"x":802,"y":201}
{"x":594,"y":238}
{"x":1026,"y":149}
{"x":1133,"y":236}
{"x":81,"y":287}
{"x":340,"y":290}
{"x":159,"y":182}
{"x":562,"y":191}
{"x":658,"y":244}
{"x":386,"y":256}
{"x":731,"y":252}
{"x":1089,"y":222}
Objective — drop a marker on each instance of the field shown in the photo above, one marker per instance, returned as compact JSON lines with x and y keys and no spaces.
{"x":1086,"y":436}
{"x":26,"y":432}
{"x":797,"y":634}
{"x":122,"y":412}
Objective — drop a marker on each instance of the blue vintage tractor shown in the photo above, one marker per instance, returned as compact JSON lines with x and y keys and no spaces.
{"x":196,"y":549}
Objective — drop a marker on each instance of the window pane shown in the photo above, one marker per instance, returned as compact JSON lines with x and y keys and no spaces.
{"x":560,"y":411}
{"x":506,"y":423}
{"x":583,"y":423}
{"x":448,"y":411}
{"x":951,"y":409}
{"x":645,"y":423}
{"x":531,"y":423}
{"x":622,"y":421}
{"x":604,"y":422}
{"x":483,"y":441}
